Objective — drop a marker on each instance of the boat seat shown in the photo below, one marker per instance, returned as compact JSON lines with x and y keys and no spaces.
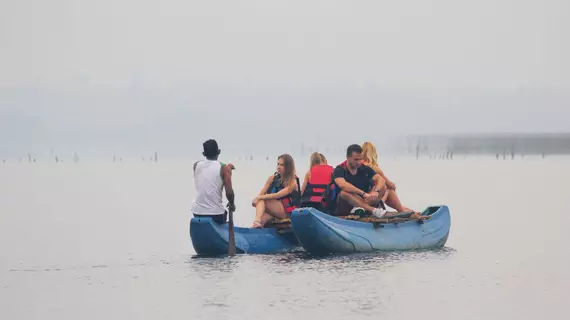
{"x":278,"y":223}
{"x":372,"y":219}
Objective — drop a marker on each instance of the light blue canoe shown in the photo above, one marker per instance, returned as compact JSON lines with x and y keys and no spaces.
{"x":320,"y":233}
{"x":210,"y":238}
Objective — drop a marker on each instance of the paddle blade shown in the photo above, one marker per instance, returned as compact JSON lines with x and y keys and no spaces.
{"x":231,"y":238}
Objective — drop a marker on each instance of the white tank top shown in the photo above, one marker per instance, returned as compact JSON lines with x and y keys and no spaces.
{"x":209,"y":185}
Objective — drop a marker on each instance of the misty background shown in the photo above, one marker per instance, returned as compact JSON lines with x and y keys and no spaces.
{"x":263,"y":77}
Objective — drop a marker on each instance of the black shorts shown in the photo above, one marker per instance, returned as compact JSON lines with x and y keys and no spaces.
{"x":218,"y":218}
{"x":343,"y":208}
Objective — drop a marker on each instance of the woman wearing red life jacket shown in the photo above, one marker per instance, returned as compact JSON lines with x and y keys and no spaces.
{"x":316,"y":181}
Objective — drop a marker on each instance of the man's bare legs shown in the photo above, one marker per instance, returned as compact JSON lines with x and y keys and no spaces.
{"x":356,"y":201}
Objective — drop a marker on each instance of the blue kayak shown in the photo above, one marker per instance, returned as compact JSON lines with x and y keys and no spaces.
{"x":211,"y":238}
{"x":320,"y":233}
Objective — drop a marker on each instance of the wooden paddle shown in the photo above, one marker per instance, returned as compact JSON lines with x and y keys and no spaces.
{"x":232,"y":236}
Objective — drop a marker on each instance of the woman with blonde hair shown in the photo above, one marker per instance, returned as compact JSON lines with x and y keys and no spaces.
{"x":314,"y":160}
{"x":280,"y":195}
{"x":370,"y":158}
{"x":316,"y":181}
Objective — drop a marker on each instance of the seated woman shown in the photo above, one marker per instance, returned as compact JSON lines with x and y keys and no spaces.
{"x":370,"y":158}
{"x":280,"y":195}
{"x":316,"y":181}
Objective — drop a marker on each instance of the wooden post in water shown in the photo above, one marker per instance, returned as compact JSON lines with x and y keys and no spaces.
{"x":417,"y":150}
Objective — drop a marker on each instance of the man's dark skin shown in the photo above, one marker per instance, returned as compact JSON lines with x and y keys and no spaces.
{"x":226,"y":177}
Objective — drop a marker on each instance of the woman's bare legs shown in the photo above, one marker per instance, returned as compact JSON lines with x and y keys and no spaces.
{"x":265,"y":210}
{"x":393,"y":201}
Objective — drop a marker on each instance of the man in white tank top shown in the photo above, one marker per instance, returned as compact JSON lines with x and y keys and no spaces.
{"x":210,"y":177}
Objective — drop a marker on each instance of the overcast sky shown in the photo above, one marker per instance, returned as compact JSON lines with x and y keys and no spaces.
{"x":147,"y":74}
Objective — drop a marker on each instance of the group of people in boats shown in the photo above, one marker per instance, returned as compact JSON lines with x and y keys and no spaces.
{"x":355,"y":186}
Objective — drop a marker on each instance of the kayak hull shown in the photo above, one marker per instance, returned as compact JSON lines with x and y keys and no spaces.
{"x":320,"y":233}
{"x":210,"y":238}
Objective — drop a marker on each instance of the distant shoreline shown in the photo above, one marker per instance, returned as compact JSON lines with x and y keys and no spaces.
{"x":542,"y":144}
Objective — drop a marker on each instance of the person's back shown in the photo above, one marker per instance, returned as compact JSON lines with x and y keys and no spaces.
{"x":319,"y":178}
{"x":209,"y":185}
{"x":210,"y":177}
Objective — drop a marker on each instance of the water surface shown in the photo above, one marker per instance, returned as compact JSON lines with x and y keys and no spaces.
{"x":110,"y":241}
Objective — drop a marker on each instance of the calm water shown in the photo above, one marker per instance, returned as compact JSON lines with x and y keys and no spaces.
{"x":110,"y":241}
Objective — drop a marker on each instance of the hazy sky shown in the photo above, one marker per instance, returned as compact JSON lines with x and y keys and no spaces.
{"x":136,"y":73}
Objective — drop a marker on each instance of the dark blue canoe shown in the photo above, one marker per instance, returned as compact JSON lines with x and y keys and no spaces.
{"x":211,"y":238}
{"x":320,"y":233}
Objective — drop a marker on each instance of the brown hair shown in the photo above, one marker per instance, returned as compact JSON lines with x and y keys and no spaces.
{"x":323,"y":159}
{"x":316,"y":158}
{"x":288,"y":176}
{"x":369,"y":153}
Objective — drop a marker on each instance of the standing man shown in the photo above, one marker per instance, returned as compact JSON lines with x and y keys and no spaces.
{"x":210,"y":177}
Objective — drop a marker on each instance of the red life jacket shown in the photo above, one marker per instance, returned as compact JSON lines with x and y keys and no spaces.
{"x":321,"y":175}
{"x":291,"y":201}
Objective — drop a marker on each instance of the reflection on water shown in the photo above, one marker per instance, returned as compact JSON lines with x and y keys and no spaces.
{"x":305,"y":261}
{"x":335,"y":286}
